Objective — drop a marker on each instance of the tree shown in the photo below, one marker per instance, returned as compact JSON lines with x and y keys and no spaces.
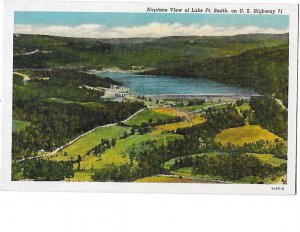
{"x":78,"y":162}
{"x":113,"y":142}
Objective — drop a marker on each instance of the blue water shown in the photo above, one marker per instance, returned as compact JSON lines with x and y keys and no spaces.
{"x":155,"y":85}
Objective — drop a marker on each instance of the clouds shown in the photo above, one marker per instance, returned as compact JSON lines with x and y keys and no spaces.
{"x":154,"y":30}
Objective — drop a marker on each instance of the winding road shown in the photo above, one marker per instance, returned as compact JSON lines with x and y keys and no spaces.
{"x":77,"y":138}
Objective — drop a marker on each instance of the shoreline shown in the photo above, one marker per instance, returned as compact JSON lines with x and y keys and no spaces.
{"x":207,"y":96}
{"x":204,"y":96}
{"x":118,"y":70}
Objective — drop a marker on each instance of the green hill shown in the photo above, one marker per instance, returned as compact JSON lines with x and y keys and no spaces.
{"x":263,"y":69}
{"x":124,"y":53}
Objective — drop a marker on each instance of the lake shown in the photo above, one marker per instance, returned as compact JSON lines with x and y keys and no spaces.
{"x":161,"y":85}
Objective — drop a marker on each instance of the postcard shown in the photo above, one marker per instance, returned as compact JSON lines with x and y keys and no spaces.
{"x":149,"y":97}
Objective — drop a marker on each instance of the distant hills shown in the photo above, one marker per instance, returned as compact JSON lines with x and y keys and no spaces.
{"x":124,"y":53}
{"x":259,"y":61}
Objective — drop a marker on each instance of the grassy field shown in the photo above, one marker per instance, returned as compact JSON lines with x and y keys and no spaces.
{"x":245,"y":134}
{"x":119,"y":153}
{"x":147,"y":114}
{"x":279,"y":179}
{"x":171,"y":111}
{"x":269,"y":159}
{"x":265,"y":158}
{"x":81,"y":176}
{"x":92,"y":139}
{"x":115,"y":155}
{"x":169,"y":163}
{"x":173,"y":126}
{"x":186,"y":171}
{"x":18,"y":125}
{"x":60,"y":100}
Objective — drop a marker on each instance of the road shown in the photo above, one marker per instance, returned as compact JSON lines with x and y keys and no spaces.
{"x":80,"y":136}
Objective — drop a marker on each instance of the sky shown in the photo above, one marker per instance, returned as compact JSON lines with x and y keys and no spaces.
{"x":128,"y":25}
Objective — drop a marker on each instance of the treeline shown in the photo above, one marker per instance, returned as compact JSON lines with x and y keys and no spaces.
{"x":76,"y":111}
{"x":151,"y":156}
{"x":53,"y":124}
{"x":102,"y":146}
{"x":195,"y":102}
{"x":278,"y":148}
{"x":264,"y":70}
{"x":42,"y":170}
{"x":229,"y":167}
{"x":115,"y":173}
{"x":46,"y":60}
{"x":62,"y":83}
{"x":270,"y":114}
{"x":148,"y":126}
{"x":124,"y":53}
{"x":200,"y":138}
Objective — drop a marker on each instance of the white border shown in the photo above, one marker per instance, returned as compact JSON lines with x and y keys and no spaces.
{"x":78,"y":6}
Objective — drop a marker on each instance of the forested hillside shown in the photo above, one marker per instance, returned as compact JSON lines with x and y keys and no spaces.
{"x":57,"y":107}
{"x":69,"y":124}
{"x":264,"y":69}
{"x":50,"y":51}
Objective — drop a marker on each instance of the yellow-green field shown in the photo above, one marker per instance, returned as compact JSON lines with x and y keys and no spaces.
{"x":245,"y":134}
{"x":81,"y":176}
{"x":169,"y":163}
{"x":203,"y":106}
{"x":171,"y":111}
{"x":174,"y":126}
{"x":147,"y":114}
{"x":186,"y":171}
{"x":265,"y":158}
{"x":269,"y":159}
{"x":92,"y":139}
{"x":116,"y":155}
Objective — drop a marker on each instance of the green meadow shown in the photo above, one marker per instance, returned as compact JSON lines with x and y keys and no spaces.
{"x":90,"y":140}
{"x":145,"y":115}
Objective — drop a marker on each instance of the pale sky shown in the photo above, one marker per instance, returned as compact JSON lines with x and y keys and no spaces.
{"x":128,"y":25}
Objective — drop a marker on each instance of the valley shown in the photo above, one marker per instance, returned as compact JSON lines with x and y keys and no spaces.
{"x":174,"y":109}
